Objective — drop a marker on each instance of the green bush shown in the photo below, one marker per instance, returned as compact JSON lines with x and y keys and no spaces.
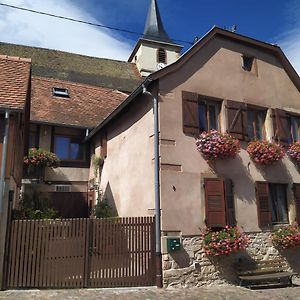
{"x":34,"y":207}
{"x":104,"y":210}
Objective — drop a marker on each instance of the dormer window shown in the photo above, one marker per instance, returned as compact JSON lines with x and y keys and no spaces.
{"x":60,"y":92}
{"x":161,"y":56}
{"x":247,"y":63}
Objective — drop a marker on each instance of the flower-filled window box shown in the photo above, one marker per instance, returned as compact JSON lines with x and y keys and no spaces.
{"x":286,"y":238}
{"x":38,"y":159}
{"x":224,"y":242}
{"x":294,"y":152}
{"x":215,"y":145}
{"x":264,"y":152}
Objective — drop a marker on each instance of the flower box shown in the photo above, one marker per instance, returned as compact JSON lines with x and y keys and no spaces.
{"x":264,"y":152}
{"x":294,"y":152}
{"x":224,"y":242}
{"x":215,"y":145}
{"x":286,"y":238}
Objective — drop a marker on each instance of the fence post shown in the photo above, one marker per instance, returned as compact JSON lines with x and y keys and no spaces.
{"x":88,"y":251}
{"x":7,"y":239}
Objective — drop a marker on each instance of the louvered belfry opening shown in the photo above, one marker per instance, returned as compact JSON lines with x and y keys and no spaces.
{"x":162,"y":56}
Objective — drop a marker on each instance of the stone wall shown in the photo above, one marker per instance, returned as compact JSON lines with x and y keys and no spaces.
{"x":190,"y":267}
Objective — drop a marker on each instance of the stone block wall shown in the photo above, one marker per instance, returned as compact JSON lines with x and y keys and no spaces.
{"x":190,"y":267}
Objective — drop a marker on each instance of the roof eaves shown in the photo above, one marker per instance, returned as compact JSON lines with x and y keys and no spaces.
{"x":60,"y":124}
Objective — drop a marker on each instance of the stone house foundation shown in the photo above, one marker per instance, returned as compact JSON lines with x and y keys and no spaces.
{"x":190,"y":267}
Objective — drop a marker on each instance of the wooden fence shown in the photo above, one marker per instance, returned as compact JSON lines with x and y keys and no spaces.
{"x":74,"y":253}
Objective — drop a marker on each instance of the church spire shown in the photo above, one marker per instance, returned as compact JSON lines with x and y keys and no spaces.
{"x":154,"y":29}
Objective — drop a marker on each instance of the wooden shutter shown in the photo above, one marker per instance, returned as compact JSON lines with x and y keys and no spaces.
{"x":281,"y":126}
{"x":229,"y":201}
{"x":237,"y":119}
{"x":190,"y":115}
{"x":297,"y":201}
{"x":263,"y":204}
{"x":215,"y":203}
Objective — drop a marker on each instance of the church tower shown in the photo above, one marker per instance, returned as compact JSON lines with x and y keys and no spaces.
{"x":155,"y":49}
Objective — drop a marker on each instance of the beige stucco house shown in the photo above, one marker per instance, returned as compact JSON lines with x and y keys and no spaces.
{"x":234,"y":78}
{"x":84,"y":107}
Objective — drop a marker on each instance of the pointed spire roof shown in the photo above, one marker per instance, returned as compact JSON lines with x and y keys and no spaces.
{"x":154,"y":29}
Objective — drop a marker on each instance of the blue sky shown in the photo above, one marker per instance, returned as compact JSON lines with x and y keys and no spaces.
{"x":274,"y":21}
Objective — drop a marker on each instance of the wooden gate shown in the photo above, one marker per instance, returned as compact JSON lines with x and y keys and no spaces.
{"x":75,"y":253}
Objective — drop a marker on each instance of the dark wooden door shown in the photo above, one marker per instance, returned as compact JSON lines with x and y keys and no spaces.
{"x":70,"y":205}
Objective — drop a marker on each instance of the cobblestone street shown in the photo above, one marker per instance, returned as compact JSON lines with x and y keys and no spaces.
{"x":207,"y":293}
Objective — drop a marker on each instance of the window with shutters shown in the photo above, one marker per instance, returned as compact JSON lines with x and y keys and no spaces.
{"x":245,"y":121}
{"x":199,"y":113}
{"x":255,"y":121}
{"x":294,"y":124}
{"x":278,"y":203}
{"x":219,"y":203}
{"x":271,"y":203}
{"x":208,"y":115}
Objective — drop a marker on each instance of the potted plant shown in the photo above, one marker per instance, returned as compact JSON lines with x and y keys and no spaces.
{"x":264,"y":152}
{"x":38,"y":159}
{"x":97,"y":163}
{"x":224,"y":241}
{"x":294,"y":152}
{"x":287,"y":237}
{"x":215,"y":145}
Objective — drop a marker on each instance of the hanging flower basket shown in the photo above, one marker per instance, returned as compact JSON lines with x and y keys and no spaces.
{"x":263,"y":152}
{"x":224,"y":242}
{"x":215,"y":145}
{"x":287,"y":238}
{"x":37,"y":160}
{"x":294,"y":152}
{"x":41,"y":158}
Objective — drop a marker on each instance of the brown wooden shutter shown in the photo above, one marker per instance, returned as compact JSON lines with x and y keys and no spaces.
{"x":281,"y":126}
{"x":103,"y":151}
{"x":297,"y":201}
{"x":190,"y":115}
{"x":263,"y":204}
{"x":230,"y":207}
{"x":237,"y":119}
{"x":215,"y":202}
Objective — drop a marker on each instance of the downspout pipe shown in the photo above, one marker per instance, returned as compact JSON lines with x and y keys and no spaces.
{"x":156,"y":190}
{"x":3,"y":160}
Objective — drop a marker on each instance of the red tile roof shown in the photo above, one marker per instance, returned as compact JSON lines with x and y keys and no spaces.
{"x":86,"y":107}
{"x":14,"y":82}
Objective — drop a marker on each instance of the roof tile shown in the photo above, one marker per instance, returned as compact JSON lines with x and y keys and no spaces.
{"x":86,"y":107}
{"x":14,"y":82}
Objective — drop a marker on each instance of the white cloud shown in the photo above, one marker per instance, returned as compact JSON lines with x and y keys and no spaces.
{"x":289,"y":41}
{"x":35,"y":30}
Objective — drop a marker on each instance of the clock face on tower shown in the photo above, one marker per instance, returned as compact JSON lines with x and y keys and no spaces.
{"x":160,"y":66}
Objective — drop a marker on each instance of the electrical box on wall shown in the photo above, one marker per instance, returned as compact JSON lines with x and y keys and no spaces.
{"x":170,"y":244}
{"x":173,"y":244}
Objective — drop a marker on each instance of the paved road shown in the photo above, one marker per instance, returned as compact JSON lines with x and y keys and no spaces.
{"x":207,"y":293}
